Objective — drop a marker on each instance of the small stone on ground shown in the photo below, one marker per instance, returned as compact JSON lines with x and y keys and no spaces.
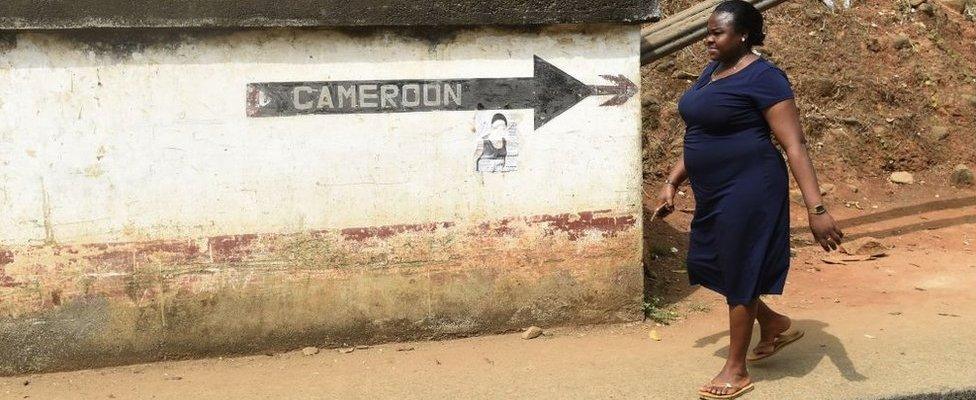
{"x":902,"y":177}
{"x":532,"y":333}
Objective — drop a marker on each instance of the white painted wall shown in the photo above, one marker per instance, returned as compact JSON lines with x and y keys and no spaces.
{"x":155,"y":144}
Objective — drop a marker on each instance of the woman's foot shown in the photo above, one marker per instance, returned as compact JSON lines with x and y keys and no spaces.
{"x":730,"y":380}
{"x":769,"y":331}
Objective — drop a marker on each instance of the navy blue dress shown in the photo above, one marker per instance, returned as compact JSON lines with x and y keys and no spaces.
{"x":739,"y":243}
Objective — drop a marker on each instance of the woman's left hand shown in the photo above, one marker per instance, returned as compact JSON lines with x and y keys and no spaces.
{"x":825,"y":231}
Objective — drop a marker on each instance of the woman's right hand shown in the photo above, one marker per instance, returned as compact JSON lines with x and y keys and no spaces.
{"x":666,"y":199}
{"x":825,"y":231}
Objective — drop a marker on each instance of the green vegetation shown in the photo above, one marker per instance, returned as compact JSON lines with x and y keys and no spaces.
{"x":701,"y":307}
{"x":657,"y":312}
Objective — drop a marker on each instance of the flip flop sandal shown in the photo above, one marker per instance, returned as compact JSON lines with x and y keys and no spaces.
{"x":739,"y":391}
{"x":779,"y":343}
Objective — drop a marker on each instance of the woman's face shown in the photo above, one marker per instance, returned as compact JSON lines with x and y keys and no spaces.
{"x":722,"y":41}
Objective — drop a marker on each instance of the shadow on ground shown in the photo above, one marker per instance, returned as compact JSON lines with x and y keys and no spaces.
{"x":951,"y":395}
{"x":803,"y":355}
{"x":665,"y":247}
{"x":900,"y":212}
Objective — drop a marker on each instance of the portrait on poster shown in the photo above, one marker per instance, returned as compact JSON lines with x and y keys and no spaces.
{"x":496,"y":142}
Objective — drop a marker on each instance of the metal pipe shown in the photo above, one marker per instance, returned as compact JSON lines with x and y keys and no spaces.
{"x":667,"y":36}
{"x":673,"y":46}
{"x":682,"y":22}
{"x":683,"y":32}
{"x":681,"y":15}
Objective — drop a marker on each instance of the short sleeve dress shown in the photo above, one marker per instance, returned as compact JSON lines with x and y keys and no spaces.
{"x":739,"y":241}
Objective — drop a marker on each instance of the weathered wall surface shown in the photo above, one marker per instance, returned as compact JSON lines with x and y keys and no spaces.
{"x":59,"y":14}
{"x":144,"y":215}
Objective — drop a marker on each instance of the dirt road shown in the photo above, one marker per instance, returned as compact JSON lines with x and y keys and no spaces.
{"x":900,"y":324}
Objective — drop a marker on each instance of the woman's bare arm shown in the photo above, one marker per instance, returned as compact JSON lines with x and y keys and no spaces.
{"x":784,"y":120}
{"x":677,"y":175}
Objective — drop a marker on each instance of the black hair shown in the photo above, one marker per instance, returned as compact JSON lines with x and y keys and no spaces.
{"x":746,"y":19}
{"x":498,"y":117}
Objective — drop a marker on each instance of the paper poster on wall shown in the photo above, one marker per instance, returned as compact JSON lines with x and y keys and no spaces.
{"x":496,"y":141}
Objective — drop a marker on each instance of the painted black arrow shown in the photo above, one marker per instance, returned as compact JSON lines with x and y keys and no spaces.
{"x":550,"y":92}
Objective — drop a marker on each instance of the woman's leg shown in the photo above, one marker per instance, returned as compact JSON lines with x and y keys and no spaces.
{"x":741,"y":319}
{"x":771,"y":325}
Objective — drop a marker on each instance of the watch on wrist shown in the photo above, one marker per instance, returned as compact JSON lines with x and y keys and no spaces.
{"x":818,"y":209}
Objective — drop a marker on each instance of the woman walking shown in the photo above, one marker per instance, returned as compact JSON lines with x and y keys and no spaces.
{"x":739,"y":244}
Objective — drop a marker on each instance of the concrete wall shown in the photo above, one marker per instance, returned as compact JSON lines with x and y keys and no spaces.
{"x":59,"y":14}
{"x":144,"y":215}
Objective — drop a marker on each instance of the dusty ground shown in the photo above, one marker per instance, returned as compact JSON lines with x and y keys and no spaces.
{"x":904,"y":323}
